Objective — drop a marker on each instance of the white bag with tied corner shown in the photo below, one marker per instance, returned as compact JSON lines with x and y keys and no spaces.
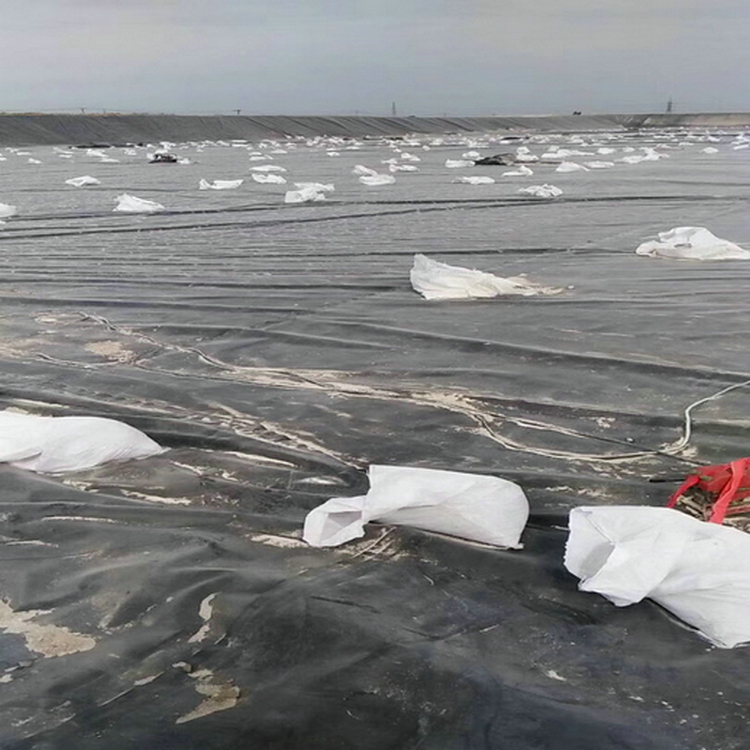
{"x":696,"y":570}
{"x":435,"y":280}
{"x":61,"y":444}
{"x":477,"y":507}
{"x":692,"y":243}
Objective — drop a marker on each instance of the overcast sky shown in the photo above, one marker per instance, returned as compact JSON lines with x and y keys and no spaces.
{"x":346,"y":56}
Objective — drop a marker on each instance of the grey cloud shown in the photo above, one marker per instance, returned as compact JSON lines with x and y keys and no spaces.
{"x":432,"y":56}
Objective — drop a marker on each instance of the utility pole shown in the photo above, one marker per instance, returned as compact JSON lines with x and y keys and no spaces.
{"x":670,"y":104}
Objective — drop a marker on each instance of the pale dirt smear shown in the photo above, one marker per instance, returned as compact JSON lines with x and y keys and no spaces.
{"x":220,"y":696}
{"x":48,"y":640}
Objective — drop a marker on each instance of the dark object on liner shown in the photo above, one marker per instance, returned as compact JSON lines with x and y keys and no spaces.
{"x":498,"y":160}
{"x":160,"y":158}
{"x":717,"y":494}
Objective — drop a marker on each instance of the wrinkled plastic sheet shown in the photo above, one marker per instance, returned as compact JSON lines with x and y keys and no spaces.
{"x":277,"y":351}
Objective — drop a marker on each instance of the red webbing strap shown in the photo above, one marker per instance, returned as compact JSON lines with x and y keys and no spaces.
{"x":737,"y":469}
{"x":686,"y":485}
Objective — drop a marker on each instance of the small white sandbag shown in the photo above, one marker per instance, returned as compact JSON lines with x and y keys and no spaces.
{"x":268,"y":179}
{"x":361,"y":170}
{"x":477,"y":507}
{"x":541,"y":191}
{"x":696,"y":570}
{"x":436,"y":280}
{"x":132,"y":204}
{"x":87,"y":179}
{"x":6,"y":210}
{"x":304,"y":195}
{"x":268,"y":168}
{"x":571,"y":166}
{"x":61,"y":444}
{"x":219,"y":184}
{"x":375,"y":180}
{"x":475,"y":180}
{"x":522,"y":171}
{"x":320,"y":187}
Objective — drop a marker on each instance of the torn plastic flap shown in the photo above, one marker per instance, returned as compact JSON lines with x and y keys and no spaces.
{"x":477,"y":507}
{"x":694,"y":569}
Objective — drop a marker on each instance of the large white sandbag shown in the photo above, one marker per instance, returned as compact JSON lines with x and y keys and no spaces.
{"x":458,"y":163}
{"x":219,"y":184}
{"x":436,"y":280}
{"x":62,"y":444}
{"x":132,"y":204}
{"x":87,"y":179}
{"x":696,"y":570}
{"x":692,"y":243}
{"x":471,"y":506}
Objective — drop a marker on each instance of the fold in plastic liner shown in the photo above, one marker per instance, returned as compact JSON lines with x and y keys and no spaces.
{"x":435,"y":280}
{"x":692,"y":243}
{"x":696,"y":570}
{"x":219,"y":184}
{"x":132,"y":204}
{"x":62,"y":444}
{"x":471,"y":506}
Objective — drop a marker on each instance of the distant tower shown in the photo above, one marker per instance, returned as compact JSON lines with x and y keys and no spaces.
{"x":670,"y":104}
{"x":393,"y":109}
